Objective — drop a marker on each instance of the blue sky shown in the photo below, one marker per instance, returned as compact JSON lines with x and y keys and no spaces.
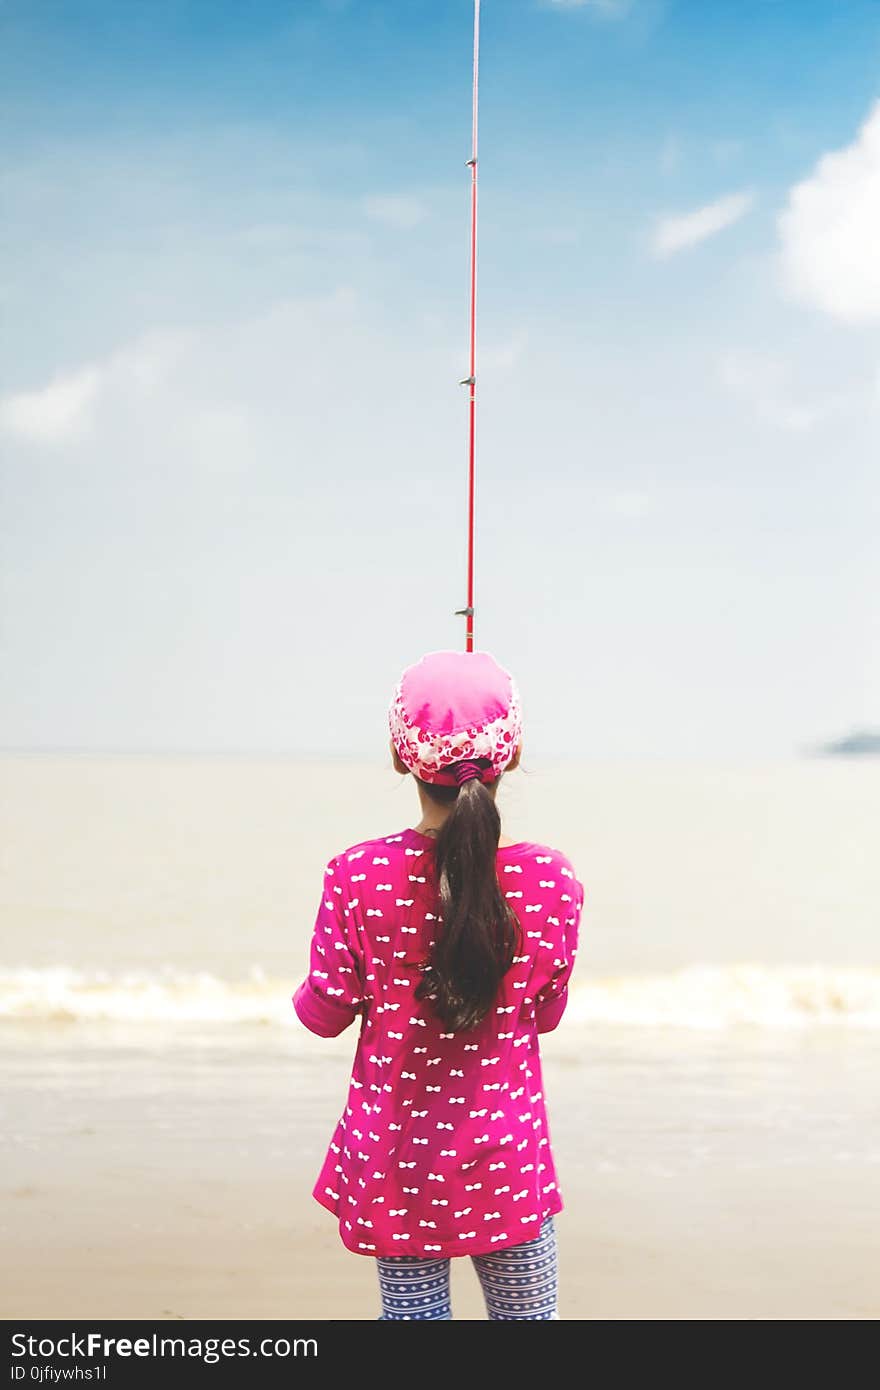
{"x":233,"y":283}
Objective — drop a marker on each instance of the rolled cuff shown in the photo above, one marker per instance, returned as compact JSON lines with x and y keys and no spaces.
{"x":550,"y":1011}
{"x":320,"y":1015}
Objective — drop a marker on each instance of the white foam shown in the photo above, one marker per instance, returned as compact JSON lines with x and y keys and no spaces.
{"x":698,"y":996}
{"x":724,"y":996}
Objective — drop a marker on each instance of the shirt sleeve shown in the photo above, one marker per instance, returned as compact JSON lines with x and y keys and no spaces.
{"x":330,"y":998}
{"x":552,"y":997}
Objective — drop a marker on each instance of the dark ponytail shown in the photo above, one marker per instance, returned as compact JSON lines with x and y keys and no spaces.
{"x":479,"y":934}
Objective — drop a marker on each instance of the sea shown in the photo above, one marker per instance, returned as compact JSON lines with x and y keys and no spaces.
{"x":142,"y":891}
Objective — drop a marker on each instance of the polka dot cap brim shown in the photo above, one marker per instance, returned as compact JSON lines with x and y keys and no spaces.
{"x":452,"y":705}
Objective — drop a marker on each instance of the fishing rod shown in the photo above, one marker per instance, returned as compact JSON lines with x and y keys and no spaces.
{"x":470,"y":381}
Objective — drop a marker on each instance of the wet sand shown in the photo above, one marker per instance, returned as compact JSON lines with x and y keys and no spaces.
{"x":628,"y":1250}
{"x":175,"y":1183}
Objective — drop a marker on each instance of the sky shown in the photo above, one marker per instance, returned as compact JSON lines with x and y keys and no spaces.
{"x":234,"y":298}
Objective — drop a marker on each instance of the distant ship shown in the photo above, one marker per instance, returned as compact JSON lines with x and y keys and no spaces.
{"x":860,"y":743}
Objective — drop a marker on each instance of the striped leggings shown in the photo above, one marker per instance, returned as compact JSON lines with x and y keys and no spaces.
{"x":518,"y":1282}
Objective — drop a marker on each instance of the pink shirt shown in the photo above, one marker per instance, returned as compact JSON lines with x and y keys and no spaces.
{"x":443,"y":1148}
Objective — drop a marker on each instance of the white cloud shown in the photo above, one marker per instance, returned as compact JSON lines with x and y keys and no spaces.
{"x":606,"y":9}
{"x":677,"y":233}
{"x":398,"y":210}
{"x":764,"y":383}
{"x":291,"y":387}
{"x":150,"y":359}
{"x":61,"y":410}
{"x":64,"y":410}
{"x":830,"y":230}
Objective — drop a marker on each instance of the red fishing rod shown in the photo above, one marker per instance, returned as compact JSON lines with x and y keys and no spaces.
{"x":470,"y":381}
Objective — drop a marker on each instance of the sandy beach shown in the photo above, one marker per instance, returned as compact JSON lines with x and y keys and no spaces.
{"x":175,"y":1183}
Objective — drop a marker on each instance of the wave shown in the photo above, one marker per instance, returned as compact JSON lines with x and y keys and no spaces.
{"x":725,"y":996}
{"x":697,"y":996}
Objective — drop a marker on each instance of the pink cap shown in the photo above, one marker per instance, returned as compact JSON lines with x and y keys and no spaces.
{"x":451,"y":706}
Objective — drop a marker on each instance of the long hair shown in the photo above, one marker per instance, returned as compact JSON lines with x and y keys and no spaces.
{"x":480,"y":933}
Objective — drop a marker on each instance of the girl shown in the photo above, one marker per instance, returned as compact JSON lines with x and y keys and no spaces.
{"x":455,"y":948}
